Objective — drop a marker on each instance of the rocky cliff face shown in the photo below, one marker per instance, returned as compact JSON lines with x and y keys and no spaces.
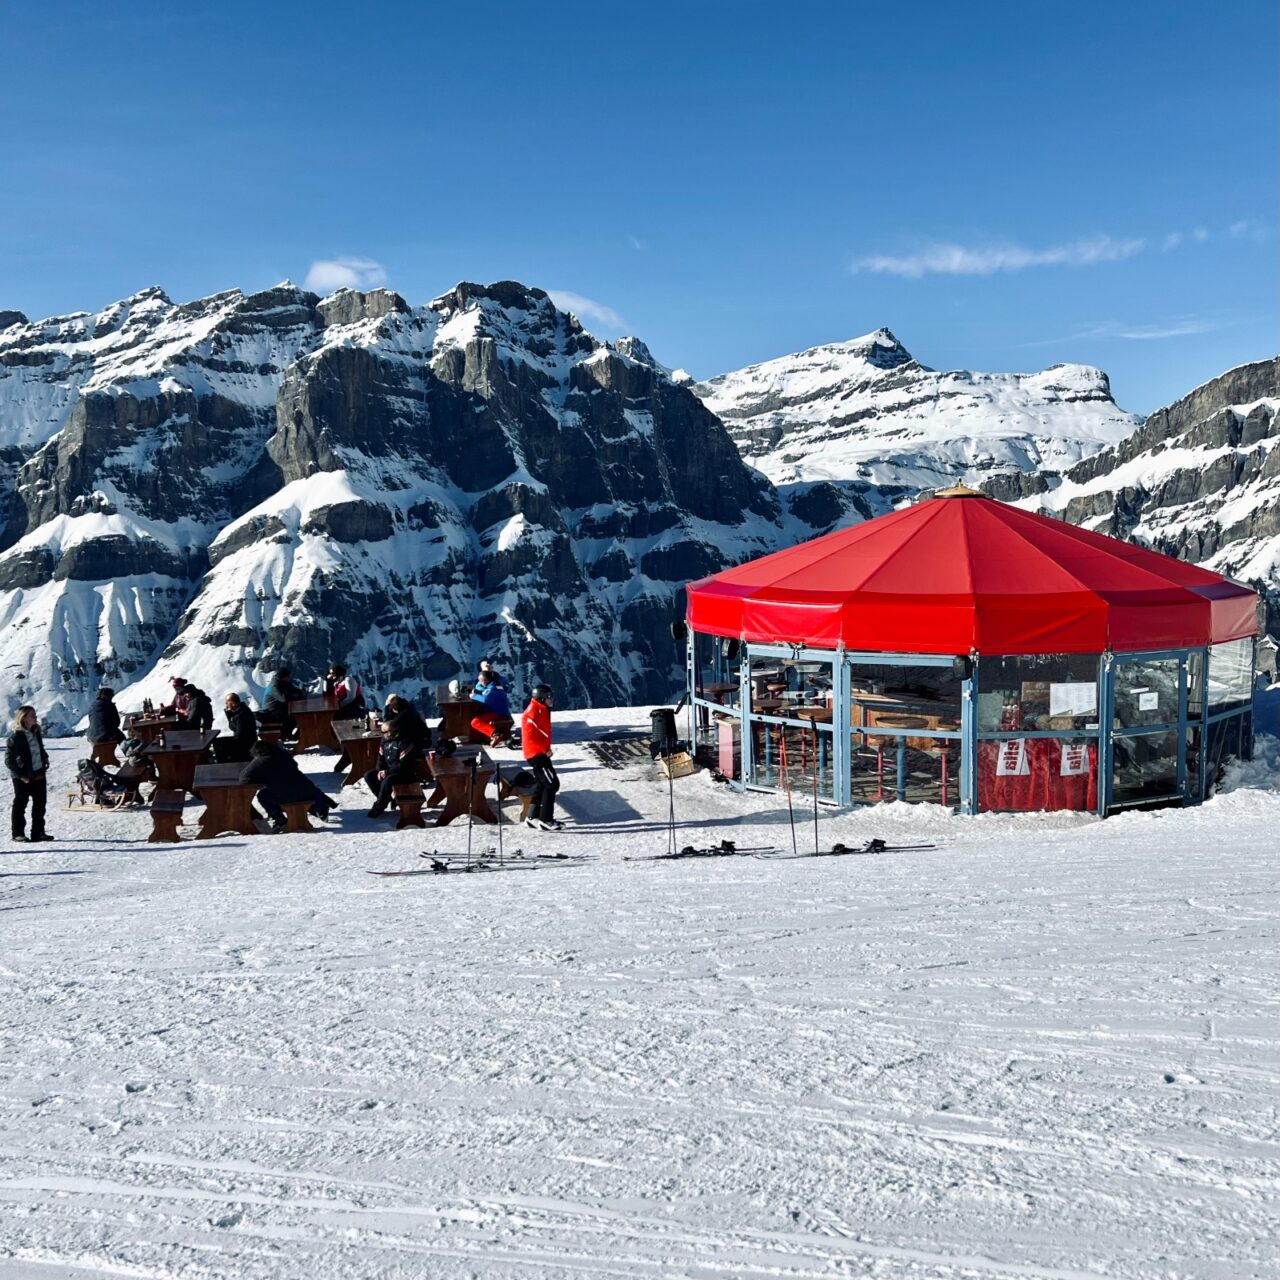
{"x":221,"y":488}
{"x":852,"y":429}
{"x":1199,"y":480}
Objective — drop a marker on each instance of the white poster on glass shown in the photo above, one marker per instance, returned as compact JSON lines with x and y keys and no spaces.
{"x":1073,"y":698}
{"x":1075,"y":759}
{"x":1012,"y":761}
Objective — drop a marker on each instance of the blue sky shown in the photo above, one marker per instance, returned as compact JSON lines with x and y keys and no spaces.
{"x":1005,"y":185}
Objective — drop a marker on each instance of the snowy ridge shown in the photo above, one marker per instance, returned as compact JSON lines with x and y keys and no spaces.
{"x":1200,"y":480}
{"x":218,"y":488}
{"x":866,"y":417}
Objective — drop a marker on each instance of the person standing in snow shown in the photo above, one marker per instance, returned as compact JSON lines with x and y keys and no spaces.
{"x":535,"y":738}
{"x":104,"y":719}
{"x":493,"y":707}
{"x":28,"y":765}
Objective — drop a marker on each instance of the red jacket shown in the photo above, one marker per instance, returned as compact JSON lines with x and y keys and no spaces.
{"x":535,"y":729}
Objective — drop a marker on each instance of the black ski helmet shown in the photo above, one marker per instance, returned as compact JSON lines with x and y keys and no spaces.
{"x":542,"y":692}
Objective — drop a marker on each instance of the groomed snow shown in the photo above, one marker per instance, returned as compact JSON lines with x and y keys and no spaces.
{"x":1046,"y":1049}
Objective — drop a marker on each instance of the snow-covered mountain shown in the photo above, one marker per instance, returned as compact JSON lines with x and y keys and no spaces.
{"x":218,"y":488}
{"x":858,"y":427}
{"x":1199,"y":480}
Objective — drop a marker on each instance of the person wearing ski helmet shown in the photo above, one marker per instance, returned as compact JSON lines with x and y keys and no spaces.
{"x":535,"y":738}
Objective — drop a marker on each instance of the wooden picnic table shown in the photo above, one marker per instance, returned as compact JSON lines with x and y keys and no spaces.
{"x":314,"y":718}
{"x":458,"y":717}
{"x":147,"y":728}
{"x":454,"y":789}
{"x":176,"y":761}
{"x":228,"y":802}
{"x":361,"y":745}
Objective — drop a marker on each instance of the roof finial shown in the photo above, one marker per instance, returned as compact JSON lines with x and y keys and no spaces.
{"x":958,"y":491}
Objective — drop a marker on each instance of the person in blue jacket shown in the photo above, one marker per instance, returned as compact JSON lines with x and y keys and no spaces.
{"x":493,"y":719}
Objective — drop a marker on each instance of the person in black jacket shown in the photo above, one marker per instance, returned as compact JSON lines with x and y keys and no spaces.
{"x":28,"y":765}
{"x":406,"y":724}
{"x":236,"y":747}
{"x":199,"y":713}
{"x":397,"y":762}
{"x":280,"y":781}
{"x":275,"y":702}
{"x":104,"y":719}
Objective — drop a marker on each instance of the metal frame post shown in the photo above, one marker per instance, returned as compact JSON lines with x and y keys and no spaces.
{"x":969,"y":741}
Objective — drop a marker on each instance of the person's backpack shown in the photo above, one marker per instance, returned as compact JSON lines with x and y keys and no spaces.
{"x":95,"y":780}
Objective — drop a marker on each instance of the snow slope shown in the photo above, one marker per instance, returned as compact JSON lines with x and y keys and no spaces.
{"x":865,"y":416}
{"x":1045,"y":1050}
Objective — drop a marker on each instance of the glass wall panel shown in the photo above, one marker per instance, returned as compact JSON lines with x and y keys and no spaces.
{"x":1038,"y":692}
{"x":1230,"y":674}
{"x":1147,"y":692}
{"x":1145,"y":767}
{"x":717,"y":736}
{"x":918,"y":769}
{"x":716,"y":662}
{"x":798,"y":753}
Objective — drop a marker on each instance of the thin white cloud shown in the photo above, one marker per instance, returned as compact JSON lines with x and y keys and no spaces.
{"x":1200,"y":234}
{"x":1153,"y":332}
{"x":1173,"y":240}
{"x":637,"y":244}
{"x":586,"y":308}
{"x":327,"y":274}
{"x":1107,"y":330}
{"x":961,"y":260}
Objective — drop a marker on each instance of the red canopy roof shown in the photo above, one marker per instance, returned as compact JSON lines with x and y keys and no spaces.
{"x":967,"y":572}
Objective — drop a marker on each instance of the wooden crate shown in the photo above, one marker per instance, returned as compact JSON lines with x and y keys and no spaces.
{"x":679,"y":764}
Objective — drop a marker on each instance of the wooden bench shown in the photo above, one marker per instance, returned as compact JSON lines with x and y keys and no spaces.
{"x":295,"y":813}
{"x":270,"y":733}
{"x":104,"y":753}
{"x":408,"y":799}
{"x":166,"y":815}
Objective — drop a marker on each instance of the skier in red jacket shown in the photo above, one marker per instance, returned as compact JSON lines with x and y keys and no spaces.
{"x":535,"y":738}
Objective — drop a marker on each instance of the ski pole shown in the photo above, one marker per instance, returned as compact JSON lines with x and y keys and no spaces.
{"x":786,"y":777}
{"x":497,"y":780}
{"x":471,"y":804}
{"x":815,"y":785}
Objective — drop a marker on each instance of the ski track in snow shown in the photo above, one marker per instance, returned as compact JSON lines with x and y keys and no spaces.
{"x":1047,"y":1049}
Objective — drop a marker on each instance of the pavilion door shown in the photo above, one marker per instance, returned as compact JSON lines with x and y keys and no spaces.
{"x":905,"y":735}
{"x":1149,"y":695}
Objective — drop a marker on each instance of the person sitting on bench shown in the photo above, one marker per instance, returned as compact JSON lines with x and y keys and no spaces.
{"x":275,"y":702}
{"x":104,"y":718}
{"x":236,"y":747}
{"x":494,"y":707}
{"x":397,"y":763}
{"x":281,"y":782}
{"x":406,"y":724}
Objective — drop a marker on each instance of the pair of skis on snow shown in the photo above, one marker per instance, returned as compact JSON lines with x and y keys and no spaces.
{"x":727,"y":849}
{"x":439,"y":864}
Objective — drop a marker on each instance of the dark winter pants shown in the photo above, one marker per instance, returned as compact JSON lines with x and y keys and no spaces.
{"x":229,"y":750}
{"x":546,"y":783}
{"x":320,"y":804}
{"x":35,"y":792}
{"x":381,"y":787}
